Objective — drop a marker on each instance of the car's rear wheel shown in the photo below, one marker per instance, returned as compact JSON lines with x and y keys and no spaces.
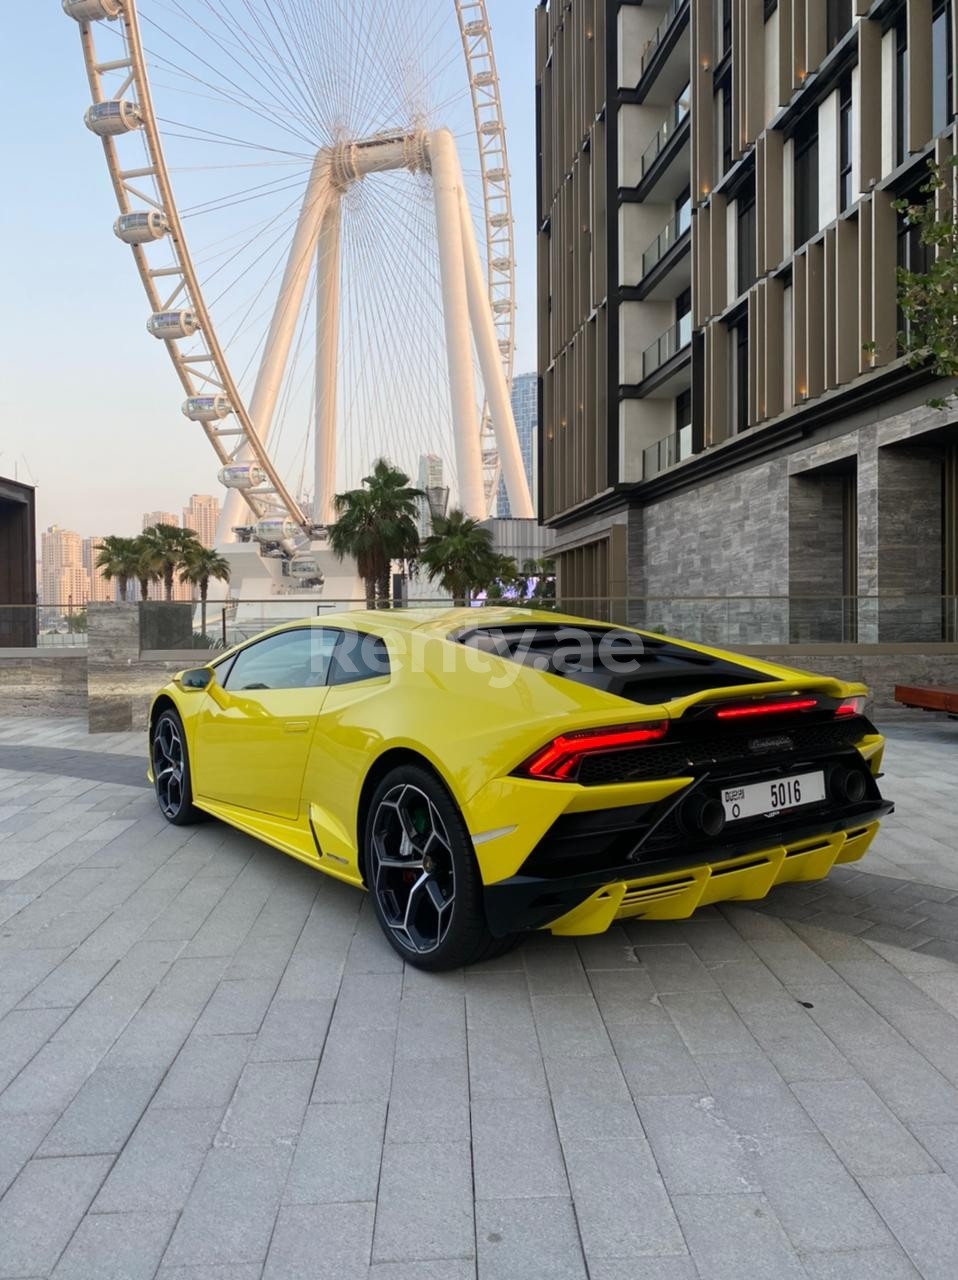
{"x":422,"y":874}
{"x":171,"y":771}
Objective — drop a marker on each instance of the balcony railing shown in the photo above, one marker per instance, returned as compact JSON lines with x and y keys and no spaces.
{"x":673,"y":448}
{"x":671,"y":342}
{"x":648,"y":53}
{"x":665,"y":132}
{"x":670,"y":234}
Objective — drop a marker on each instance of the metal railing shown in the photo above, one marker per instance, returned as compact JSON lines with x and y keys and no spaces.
{"x":668,"y":237}
{"x":665,"y":132}
{"x":673,"y":448}
{"x":667,"y":345}
{"x":721,"y":620}
{"x":43,"y":626}
{"x":648,"y":53}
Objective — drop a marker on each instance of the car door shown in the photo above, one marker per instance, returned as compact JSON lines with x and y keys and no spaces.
{"x":256,"y":723}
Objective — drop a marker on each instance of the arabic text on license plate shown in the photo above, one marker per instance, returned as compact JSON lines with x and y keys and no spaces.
{"x":773,"y":796}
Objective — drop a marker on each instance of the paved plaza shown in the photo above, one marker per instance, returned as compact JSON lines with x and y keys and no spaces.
{"x":214,"y":1068}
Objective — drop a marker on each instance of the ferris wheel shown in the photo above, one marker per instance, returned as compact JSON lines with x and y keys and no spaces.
{"x":317,"y":200}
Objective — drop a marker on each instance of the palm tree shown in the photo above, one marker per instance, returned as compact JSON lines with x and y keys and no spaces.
{"x":119,"y":558}
{"x":375,"y":526}
{"x":146,"y":567}
{"x":459,"y":553}
{"x":169,"y":548}
{"x":201,"y":567}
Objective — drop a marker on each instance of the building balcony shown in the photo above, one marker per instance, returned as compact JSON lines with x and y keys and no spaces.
{"x":667,"y":131}
{"x":663,"y":43}
{"x":665,"y":453}
{"x":666,"y":347}
{"x":675,"y":230}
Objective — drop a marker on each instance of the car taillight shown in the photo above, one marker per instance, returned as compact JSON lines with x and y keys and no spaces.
{"x":851,"y":706}
{"x":766,"y":708}
{"x":559,"y":759}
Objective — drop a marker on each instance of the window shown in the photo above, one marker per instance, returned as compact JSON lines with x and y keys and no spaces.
{"x":806,"y":179}
{"x":725,"y":35}
{"x":845,"y":193}
{"x":683,"y":213}
{"x":942,"y":69}
{"x":839,"y":20}
{"x":359,"y":656}
{"x":912,"y":254}
{"x":291,"y":660}
{"x":745,"y":239}
{"x":683,"y":318}
{"x":683,"y":424}
{"x":901,"y":92}
{"x":738,"y":346}
{"x":727,"y":126}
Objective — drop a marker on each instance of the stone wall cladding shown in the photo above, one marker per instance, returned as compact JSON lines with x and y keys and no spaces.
{"x":880,"y":671}
{"x":121,"y":684}
{"x":47,"y":684}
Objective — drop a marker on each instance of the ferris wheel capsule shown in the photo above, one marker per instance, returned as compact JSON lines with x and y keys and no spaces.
{"x":141,"y":227}
{"x":272,"y":529}
{"x":92,"y":10}
{"x":116,"y":115}
{"x":304,"y":567}
{"x":242,"y":475}
{"x":170,"y":325}
{"x":207,"y":408}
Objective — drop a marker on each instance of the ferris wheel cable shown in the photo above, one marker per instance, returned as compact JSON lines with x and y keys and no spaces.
{"x":270,"y":110}
{"x":281,"y":82}
{"x":226,"y":202}
{"x":250,"y":266}
{"x":195,"y":134}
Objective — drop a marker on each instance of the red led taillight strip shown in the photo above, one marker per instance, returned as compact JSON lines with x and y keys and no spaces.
{"x":767,"y":708}
{"x":563,"y":754}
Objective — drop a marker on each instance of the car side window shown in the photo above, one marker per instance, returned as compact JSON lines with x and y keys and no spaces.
{"x":359,"y":656}
{"x":290,"y":660}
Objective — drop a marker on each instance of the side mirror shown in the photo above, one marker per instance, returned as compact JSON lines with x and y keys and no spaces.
{"x":196,"y":679}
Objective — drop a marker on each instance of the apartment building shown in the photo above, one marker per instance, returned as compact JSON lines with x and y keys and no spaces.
{"x":525,"y":410}
{"x":771,"y":441}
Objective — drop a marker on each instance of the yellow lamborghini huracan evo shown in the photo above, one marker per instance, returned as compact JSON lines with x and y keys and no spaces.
{"x":482,"y":772}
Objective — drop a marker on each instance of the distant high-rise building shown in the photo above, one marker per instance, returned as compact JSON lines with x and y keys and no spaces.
{"x":201,"y":516}
{"x":151,"y":518}
{"x":431,"y":482}
{"x":525,"y":410}
{"x":102,"y":590}
{"x":64,"y":580}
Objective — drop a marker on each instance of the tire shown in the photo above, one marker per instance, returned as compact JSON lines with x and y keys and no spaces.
{"x":422,"y":874}
{"x":171,"y":771}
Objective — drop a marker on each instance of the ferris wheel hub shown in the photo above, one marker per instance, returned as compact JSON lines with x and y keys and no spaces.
{"x":353,"y":159}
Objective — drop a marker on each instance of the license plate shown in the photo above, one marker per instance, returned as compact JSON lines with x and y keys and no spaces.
{"x":774,"y":796}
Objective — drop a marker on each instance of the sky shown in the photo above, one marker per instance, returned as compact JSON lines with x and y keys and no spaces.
{"x":89,"y":402}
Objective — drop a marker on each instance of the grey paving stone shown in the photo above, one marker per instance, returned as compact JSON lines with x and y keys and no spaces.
{"x":445,"y":1269}
{"x":42,"y":1209}
{"x":708,"y":1023}
{"x":673,"y":967}
{"x":237,"y":1007}
{"x":862,"y":1264}
{"x":321,"y":1242}
{"x":158,"y":1166}
{"x":528,"y":1238}
{"x":625,"y":996}
{"x":620,"y":1203}
{"x":500,"y":1069}
{"x":19,"y":1138}
{"x":233,"y":1271}
{"x":425,"y":1205}
{"x":356,"y":1065}
{"x":22,"y":1033}
{"x":431,"y":1026}
{"x":868,"y":1138}
{"x":737,"y":1237}
{"x":922,"y":1212}
{"x":103,"y":1114}
{"x":610,"y":950}
{"x":232,"y":1208}
{"x":814,"y":1197}
{"x":205,"y":1072}
{"x":269,"y":1103}
{"x":656,"y":1062}
{"x":751,"y":1095}
{"x":293,"y":1030}
{"x":553,"y":968}
{"x":569,"y":1025}
{"x":651,"y":1269}
{"x":591,"y":1103}
{"x":696,"y":1149}
{"x":338,"y":1154}
{"x":116,"y":1246}
{"x":516,"y":1150}
{"x":429,"y":1101}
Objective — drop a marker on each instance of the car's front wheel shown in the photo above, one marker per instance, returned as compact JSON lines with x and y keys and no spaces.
{"x":171,"y":771}
{"x":422,"y":874}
